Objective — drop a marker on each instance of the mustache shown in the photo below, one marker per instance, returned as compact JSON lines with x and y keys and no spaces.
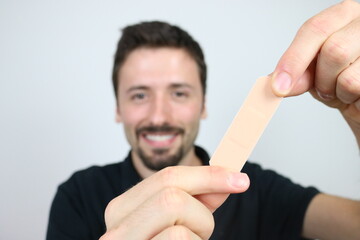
{"x":159,"y":129}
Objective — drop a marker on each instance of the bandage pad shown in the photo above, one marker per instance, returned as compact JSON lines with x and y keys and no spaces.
{"x":247,"y":126}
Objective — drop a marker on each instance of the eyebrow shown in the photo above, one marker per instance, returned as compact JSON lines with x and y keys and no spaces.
{"x":181,"y":85}
{"x":134,"y":88}
{"x":173,"y":85}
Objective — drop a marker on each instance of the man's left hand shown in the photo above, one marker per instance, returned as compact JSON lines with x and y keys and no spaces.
{"x":324,"y":59}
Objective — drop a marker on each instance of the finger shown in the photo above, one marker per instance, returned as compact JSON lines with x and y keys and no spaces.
{"x":193,"y":180}
{"x":308,"y":42}
{"x":176,"y":232}
{"x":169,"y":207}
{"x":348,"y":85}
{"x":337,"y":53}
{"x":306,"y":81}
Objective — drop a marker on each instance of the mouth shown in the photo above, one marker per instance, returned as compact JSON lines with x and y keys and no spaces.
{"x":157,"y":140}
{"x":159,"y":136}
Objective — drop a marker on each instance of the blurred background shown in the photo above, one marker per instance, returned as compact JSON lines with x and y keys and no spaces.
{"x":57,"y":105}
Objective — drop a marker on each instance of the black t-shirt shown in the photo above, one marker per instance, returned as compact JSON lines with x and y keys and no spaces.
{"x":272,"y":208}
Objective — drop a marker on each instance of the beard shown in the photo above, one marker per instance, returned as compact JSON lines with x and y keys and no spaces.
{"x":160,"y":157}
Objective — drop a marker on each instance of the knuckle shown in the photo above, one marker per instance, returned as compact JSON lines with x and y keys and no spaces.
{"x":104,"y":237}
{"x":110,"y":213}
{"x":109,"y":235}
{"x":349,"y":4}
{"x":350,"y":81}
{"x":209,"y":225}
{"x":318,"y":25}
{"x":170,"y":176}
{"x":336,"y":51}
{"x":172,"y":199}
{"x":179,"y":233}
{"x":108,"y":210}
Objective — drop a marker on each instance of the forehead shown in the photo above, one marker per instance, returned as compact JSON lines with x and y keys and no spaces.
{"x":158,"y":67}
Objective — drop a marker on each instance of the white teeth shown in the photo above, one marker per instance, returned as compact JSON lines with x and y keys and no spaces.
{"x":159,"y":138}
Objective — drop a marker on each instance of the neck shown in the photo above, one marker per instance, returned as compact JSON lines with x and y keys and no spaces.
{"x":190,"y":159}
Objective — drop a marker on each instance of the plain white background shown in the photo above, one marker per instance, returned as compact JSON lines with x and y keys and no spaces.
{"x":57,"y":105}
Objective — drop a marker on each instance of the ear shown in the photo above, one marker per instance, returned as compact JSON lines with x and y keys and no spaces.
{"x":118,"y":117}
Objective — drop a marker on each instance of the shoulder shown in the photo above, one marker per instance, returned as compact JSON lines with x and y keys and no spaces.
{"x":266,"y":181}
{"x":257,"y":173}
{"x":95,"y":172}
{"x":93,"y":180}
{"x":80,"y":201}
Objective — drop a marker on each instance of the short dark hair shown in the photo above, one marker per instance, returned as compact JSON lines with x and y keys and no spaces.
{"x":156,"y":34}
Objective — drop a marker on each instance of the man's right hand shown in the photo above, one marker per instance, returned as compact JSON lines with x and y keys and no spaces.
{"x":174,"y":203}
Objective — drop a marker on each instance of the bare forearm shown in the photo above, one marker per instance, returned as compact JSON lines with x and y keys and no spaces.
{"x":341,"y":222}
{"x":355,"y":127}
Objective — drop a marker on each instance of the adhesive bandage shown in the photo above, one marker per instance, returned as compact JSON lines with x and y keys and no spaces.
{"x":247,"y":126}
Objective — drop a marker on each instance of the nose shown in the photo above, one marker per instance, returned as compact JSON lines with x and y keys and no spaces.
{"x":160,"y":112}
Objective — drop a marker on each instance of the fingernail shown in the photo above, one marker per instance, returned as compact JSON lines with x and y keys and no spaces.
{"x":238,"y":180}
{"x":324,"y":96}
{"x":282,"y":82}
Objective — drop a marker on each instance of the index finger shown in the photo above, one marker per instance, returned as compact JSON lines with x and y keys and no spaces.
{"x":194,"y":180}
{"x":307,"y":43}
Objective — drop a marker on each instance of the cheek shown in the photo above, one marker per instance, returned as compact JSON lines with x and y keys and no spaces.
{"x":130,"y":120}
{"x":132,"y":116}
{"x":189,"y":113}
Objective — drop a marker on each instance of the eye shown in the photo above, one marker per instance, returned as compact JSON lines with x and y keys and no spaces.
{"x":138,"y":97}
{"x":180,"y":94}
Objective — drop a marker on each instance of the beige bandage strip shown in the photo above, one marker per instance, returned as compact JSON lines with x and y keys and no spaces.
{"x":247,"y":126}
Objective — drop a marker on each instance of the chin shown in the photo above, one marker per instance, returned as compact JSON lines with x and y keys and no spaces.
{"x":160,"y":159}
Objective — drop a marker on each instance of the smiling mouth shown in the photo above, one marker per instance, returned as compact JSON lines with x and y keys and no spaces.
{"x":159,"y":138}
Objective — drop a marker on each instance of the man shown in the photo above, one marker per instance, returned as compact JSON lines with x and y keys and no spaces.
{"x":159,"y":80}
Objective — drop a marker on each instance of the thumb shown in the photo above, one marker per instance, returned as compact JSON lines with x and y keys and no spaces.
{"x":306,"y":45}
{"x":302,"y":85}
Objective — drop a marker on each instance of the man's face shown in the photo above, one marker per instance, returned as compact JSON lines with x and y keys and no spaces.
{"x":160,"y":103}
